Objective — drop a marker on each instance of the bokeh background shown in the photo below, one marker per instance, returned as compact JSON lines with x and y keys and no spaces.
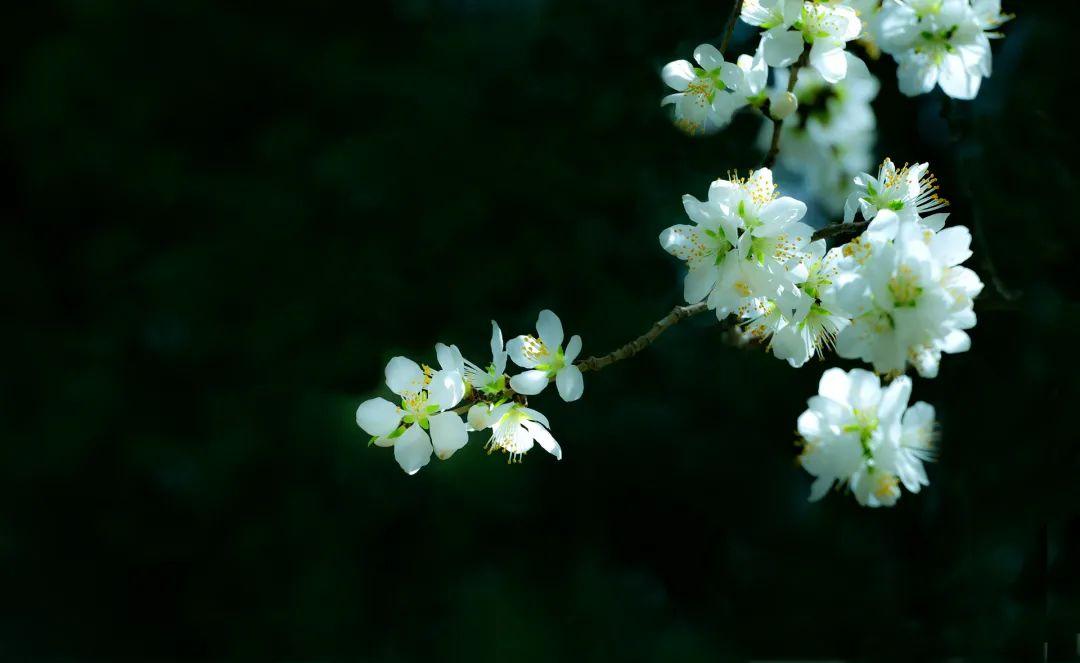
{"x":221,"y":219}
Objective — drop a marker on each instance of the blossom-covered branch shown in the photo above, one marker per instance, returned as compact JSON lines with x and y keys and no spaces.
{"x":891,"y":292}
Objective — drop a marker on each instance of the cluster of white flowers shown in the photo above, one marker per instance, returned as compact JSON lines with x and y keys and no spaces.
{"x":895,"y":296}
{"x":935,"y":42}
{"x":857,"y":434}
{"x":939,"y":42}
{"x":831,"y":139}
{"x":901,"y":281}
{"x":428,"y":418}
{"x":750,"y":256}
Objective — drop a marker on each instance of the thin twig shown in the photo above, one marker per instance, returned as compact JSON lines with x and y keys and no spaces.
{"x":678,"y":314}
{"x":840,"y":230}
{"x":735,"y":11}
{"x":774,"y":146}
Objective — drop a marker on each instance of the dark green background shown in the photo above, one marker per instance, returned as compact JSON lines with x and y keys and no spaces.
{"x":221,"y":219}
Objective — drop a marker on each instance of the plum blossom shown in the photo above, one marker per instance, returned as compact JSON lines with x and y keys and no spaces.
{"x":546,"y":360}
{"x":857,"y":434}
{"x":746,"y":243}
{"x":910,"y":192}
{"x":705,"y":97}
{"x":908,"y":297}
{"x":490,"y":381}
{"x":514,"y":429}
{"x":939,"y":42}
{"x":789,"y":24}
{"x":427,"y":398}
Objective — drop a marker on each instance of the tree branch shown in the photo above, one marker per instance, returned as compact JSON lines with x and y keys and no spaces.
{"x":840,"y":230}
{"x":774,"y":147}
{"x":678,"y":314}
{"x":735,"y":11}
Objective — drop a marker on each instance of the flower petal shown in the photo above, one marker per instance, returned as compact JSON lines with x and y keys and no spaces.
{"x":570,"y":383}
{"x":448,"y":434}
{"x":708,"y":57}
{"x":781,"y":47}
{"x":378,"y":417}
{"x":447,"y":388}
{"x":529,"y":383}
{"x":678,"y":74}
{"x":573,"y":349}
{"x":550,"y":329}
{"x":404,"y":376}
{"x":544,"y":438}
{"x":413,"y":449}
{"x":516,"y":349}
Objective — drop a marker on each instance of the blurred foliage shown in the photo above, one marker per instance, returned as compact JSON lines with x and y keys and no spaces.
{"x":223,"y":219}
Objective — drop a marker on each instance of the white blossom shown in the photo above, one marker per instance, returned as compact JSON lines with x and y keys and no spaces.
{"x":911,"y":192}
{"x":939,"y":42}
{"x":788,"y":24}
{"x":705,"y":97}
{"x":546,"y":360}
{"x":857,"y":434}
{"x":747,"y":243}
{"x":907,"y":295}
{"x":489,"y":381}
{"x":427,"y":396}
{"x":514,"y":429}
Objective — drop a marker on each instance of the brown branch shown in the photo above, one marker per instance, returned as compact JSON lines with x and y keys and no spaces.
{"x":735,"y":11}
{"x":778,"y":125}
{"x":678,"y":314}
{"x":840,"y":230}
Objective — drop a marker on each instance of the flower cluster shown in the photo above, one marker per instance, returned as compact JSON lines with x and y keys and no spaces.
{"x":790,"y":26}
{"x":901,"y":282}
{"x":895,"y":296}
{"x":749,"y":255}
{"x":934,"y":42}
{"x":939,"y":42}
{"x":428,"y":417}
{"x":857,"y":434}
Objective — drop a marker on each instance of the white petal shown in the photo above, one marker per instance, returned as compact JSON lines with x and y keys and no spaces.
{"x":956,"y":341}
{"x":708,"y":57}
{"x":573,"y":349}
{"x":529,"y":383}
{"x":894,"y":400}
{"x":783,"y":210}
{"x":378,"y":417}
{"x":699,"y":282}
{"x":550,"y":329}
{"x":865,"y":391}
{"x":820,"y":488}
{"x":835,"y":385}
{"x":412,"y":450}
{"x":516,"y":349}
{"x":544,"y":439}
{"x":935,"y":222}
{"x":957,"y":80}
{"x":449,"y":358}
{"x":916,"y":75}
{"x":534,"y":415}
{"x":828,"y":58}
{"x":448,"y":434}
{"x":952,"y":246}
{"x":570,"y":383}
{"x":678,"y":74}
{"x":404,"y":376}
{"x":781,"y":47}
{"x":447,"y":388}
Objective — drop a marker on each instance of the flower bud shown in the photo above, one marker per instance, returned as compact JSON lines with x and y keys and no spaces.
{"x":782,"y":104}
